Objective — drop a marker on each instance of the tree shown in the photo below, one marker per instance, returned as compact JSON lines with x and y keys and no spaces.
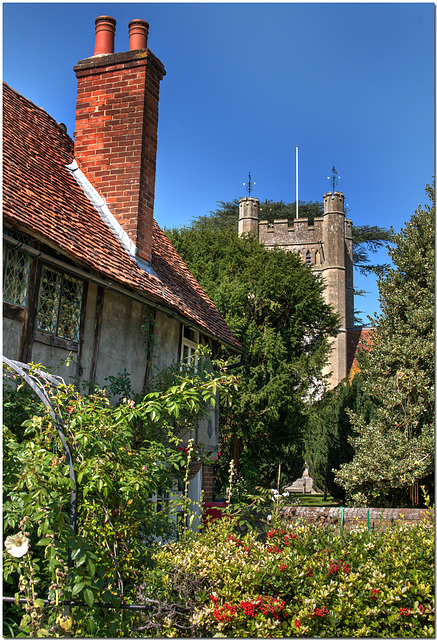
{"x":274,"y":305}
{"x":328,"y":430}
{"x":395,"y":450}
{"x":366,"y":239}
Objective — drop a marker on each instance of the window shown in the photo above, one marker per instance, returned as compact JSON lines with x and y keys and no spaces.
{"x":16,"y":276}
{"x":60,"y":304}
{"x":190,"y":341}
{"x":308,"y":257}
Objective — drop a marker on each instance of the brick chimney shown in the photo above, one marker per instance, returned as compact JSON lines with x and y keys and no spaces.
{"x":116,"y":127}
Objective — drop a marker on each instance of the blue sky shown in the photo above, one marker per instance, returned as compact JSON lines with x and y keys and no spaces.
{"x":352,"y":84}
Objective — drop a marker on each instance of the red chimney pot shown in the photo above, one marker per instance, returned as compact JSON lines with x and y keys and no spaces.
{"x":138,"y":32}
{"x":105,"y":30}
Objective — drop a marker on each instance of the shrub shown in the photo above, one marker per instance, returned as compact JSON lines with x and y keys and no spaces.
{"x":121,"y":456}
{"x":306,"y":581}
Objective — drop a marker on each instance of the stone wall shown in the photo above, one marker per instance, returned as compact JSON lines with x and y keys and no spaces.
{"x":352,"y":516}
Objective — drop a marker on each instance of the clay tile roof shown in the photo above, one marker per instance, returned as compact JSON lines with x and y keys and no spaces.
{"x":357,"y":339}
{"x":41,"y":197}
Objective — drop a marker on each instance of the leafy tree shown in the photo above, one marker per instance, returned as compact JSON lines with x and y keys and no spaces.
{"x":274,"y":305}
{"x":395,"y":449}
{"x":328,"y":430}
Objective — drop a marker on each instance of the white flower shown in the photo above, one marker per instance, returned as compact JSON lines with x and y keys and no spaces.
{"x":269,"y":517}
{"x":285,"y":495}
{"x":17,"y":545}
{"x":274,"y":491}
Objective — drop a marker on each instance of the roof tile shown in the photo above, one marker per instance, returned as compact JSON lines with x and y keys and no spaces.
{"x":41,"y":196}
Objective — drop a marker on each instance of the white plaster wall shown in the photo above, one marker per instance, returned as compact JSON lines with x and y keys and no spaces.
{"x":121,"y":343}
{"x":88,"y":331}
{"x":55,"y":361}
{"x":11,"y":338}
{"x":167,"y":342}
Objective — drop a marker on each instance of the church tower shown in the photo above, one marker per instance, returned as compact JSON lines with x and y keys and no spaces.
{"x":326,"y":245}
{"x":248,"y":216}
{"x":338,"y":276}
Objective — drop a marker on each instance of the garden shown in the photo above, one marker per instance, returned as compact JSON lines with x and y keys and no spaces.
{"x":88,"y":553}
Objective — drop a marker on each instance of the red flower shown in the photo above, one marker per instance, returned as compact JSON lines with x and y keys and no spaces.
{"x":374,"y":593}
{"x":321,"y":613}
{"x":297,"y":623}
{"x":283,"y":567}
{"x":404,"y":611}
{"x":70,"y":410}
{"x":225,"y":613}
{"x":274,"y":549}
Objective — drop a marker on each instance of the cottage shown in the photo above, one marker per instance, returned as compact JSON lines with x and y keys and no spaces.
{"x":87,"y":271}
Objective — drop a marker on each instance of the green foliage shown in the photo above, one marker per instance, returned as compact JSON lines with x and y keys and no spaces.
{"x":302,"y":581}
{"x":274,"y":305}
{"x":328,"y":431}
{"x":226,"y":216}
{"x":395,"y":449}
{"x":122,"y":456}
{"x":366,"y":239}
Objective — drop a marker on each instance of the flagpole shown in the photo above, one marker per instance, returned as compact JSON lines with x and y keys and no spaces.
{"x":297,"y":181}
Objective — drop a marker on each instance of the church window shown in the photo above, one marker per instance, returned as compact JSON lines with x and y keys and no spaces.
{"x":60,"y":304}
{"x":308,"y":257}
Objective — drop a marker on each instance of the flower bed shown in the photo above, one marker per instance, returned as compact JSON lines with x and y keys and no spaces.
{"x":305,"y":581}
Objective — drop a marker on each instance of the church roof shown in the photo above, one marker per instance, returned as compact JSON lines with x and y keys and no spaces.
{"x":42,"y":198}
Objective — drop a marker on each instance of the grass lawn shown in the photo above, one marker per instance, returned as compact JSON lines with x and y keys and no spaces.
{"x":312,"y":500}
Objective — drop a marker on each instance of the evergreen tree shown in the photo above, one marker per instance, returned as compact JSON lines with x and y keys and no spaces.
{"x":366,"y":239}
{"x":328,"y":431}
{"x":274,"y":305}
{"x":395,"y":450}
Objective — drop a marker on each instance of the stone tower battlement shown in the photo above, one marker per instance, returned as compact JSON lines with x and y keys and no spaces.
{"x":326,"y":245}
{"x":333,"y":202}
{"x":248,"y":216}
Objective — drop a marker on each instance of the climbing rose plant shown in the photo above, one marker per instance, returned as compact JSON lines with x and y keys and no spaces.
{"x":122,"y":456}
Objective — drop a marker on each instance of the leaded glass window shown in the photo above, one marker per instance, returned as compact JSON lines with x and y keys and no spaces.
{"x":60,"y":304}
{"x":16,"y":277}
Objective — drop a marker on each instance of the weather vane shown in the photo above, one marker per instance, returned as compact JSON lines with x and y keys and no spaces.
{"x":333,"y":179}
{"x":249,"y":185}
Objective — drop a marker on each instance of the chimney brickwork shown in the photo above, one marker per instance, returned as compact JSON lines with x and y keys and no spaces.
{"x":116,"y":132}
